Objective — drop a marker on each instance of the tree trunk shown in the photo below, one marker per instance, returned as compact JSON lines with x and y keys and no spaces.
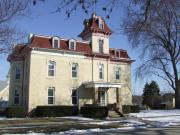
{"x":177,"y":95}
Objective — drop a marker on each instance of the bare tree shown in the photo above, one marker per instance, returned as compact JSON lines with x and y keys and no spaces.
{"x":153,"y":26}
{"x":155,"y":29}
{"x":9,"y":10}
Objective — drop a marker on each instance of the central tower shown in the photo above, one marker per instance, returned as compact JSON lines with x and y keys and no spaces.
{"x":97,"y":32}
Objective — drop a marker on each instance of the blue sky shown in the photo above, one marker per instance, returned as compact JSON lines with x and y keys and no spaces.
{"x":43,"y":21}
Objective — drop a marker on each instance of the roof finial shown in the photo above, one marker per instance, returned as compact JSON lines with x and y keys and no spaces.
{"x":94,"y":14}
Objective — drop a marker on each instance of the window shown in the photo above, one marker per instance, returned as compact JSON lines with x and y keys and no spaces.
{"x":117,"y":73}
{"x":101,"y":42}
{"x":55,"y":43}
{"x":101,"y":71}
{"x":117,"y":54}
{"x":16,"y":97}
{"x":72,"y":45}
{"x":51,"y":68}
{"x":18,"y":73}
{"x":74,"y":70}
{"x":74,"y":96}
{"x":101,"y":25}
{"x":51,"y":93}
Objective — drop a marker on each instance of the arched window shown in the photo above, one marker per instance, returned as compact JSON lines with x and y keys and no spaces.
{"x":101,"y":71}
{"x":117,"y":73}
{"x":74,"y":70}
{"x":51,"y":95}
{"x":17,"y":73}
{"x":51,"y":68}
{"x":55,"y":42}
{"x":101,"y":43}
{"x":16,"y":97}
{"x":72,"y":44}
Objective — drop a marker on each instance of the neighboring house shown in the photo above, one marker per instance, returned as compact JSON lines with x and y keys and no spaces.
{"x":51,"y":70}
{"x":168,"y":100}
{"x":4,"y":94}
{"x":137,"y":100}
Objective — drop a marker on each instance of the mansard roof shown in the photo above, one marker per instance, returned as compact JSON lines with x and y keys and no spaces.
{"x":46,"y":42}
{"x":83,"y":47}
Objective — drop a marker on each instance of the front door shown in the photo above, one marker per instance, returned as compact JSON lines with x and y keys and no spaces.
{"x":102,"y":98}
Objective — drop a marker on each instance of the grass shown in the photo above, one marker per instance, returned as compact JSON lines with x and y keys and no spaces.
{"x":48,"y":125}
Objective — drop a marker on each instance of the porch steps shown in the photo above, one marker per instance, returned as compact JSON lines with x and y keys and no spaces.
{"x":114,"y":114}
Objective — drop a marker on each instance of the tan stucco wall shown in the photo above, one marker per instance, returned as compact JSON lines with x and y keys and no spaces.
{"x":63,"y":82}
{"x":95,"y":39}
{"x":15,"y":84}
{"x":36,"y":81}
{"x":22,"y":84}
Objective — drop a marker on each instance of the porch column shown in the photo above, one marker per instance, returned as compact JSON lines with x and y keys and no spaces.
{"x":119,"y":99}
{"x":95,"y":95}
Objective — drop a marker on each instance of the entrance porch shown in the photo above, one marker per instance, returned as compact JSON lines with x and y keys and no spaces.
{"x":102,"y":92}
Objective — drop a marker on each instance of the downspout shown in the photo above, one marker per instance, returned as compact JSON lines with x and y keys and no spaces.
{"x":22,"y":83}
{"x":107,"y":70}
{"x":92,"y":69}
{"x":107,"y":96}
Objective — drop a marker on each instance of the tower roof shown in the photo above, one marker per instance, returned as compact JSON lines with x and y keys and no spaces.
{"x":93,"y":25}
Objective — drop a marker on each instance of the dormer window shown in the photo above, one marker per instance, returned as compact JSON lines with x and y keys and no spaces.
{"x":72,"y":44}
{"x":117,"y":53}
{"x":101,"y":24}
{"x":55,"y":43}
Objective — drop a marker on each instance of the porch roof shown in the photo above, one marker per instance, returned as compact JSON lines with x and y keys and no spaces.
{"x":96,"y":84}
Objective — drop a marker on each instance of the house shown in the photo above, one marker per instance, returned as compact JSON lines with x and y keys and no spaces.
{"x":137,"y":100}
{"x":168,"y":101}
{"x":51,"y":70}
{"x":4,"y":94}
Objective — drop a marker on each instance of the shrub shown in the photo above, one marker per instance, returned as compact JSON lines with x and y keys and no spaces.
{"x":94,"y":111}
{"x":56,"y":111}
{"x":2,"y":112}
{"x":126,"y":109}
{"x":135,"y":108}
{"x":15,"y":112}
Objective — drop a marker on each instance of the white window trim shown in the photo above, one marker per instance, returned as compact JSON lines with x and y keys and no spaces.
{"x":55,"y":38}
{"x":48,"y":69}
{"x":76,"y":71}
{"x":102,"y":71}
{"x":17,"y":67}
{"x":16,"y":96}
{"x":74,"y":41}
{"x":117,"y":68}
{"x":116,"y":55}
{"x":51,"y":96}
{"x":101,"y":22}
{"x":76,"y":96}
{"x":99,"y":45}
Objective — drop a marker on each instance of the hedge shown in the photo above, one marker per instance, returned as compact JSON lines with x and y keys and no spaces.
{"x":56,"y":111}
{"x":130,"y":109}
{"x":94,"y":111}
{"x":135,"y":108}
{"x":15,"y":112}
{"x":126,"y":109}
{"x":2,"y":112}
